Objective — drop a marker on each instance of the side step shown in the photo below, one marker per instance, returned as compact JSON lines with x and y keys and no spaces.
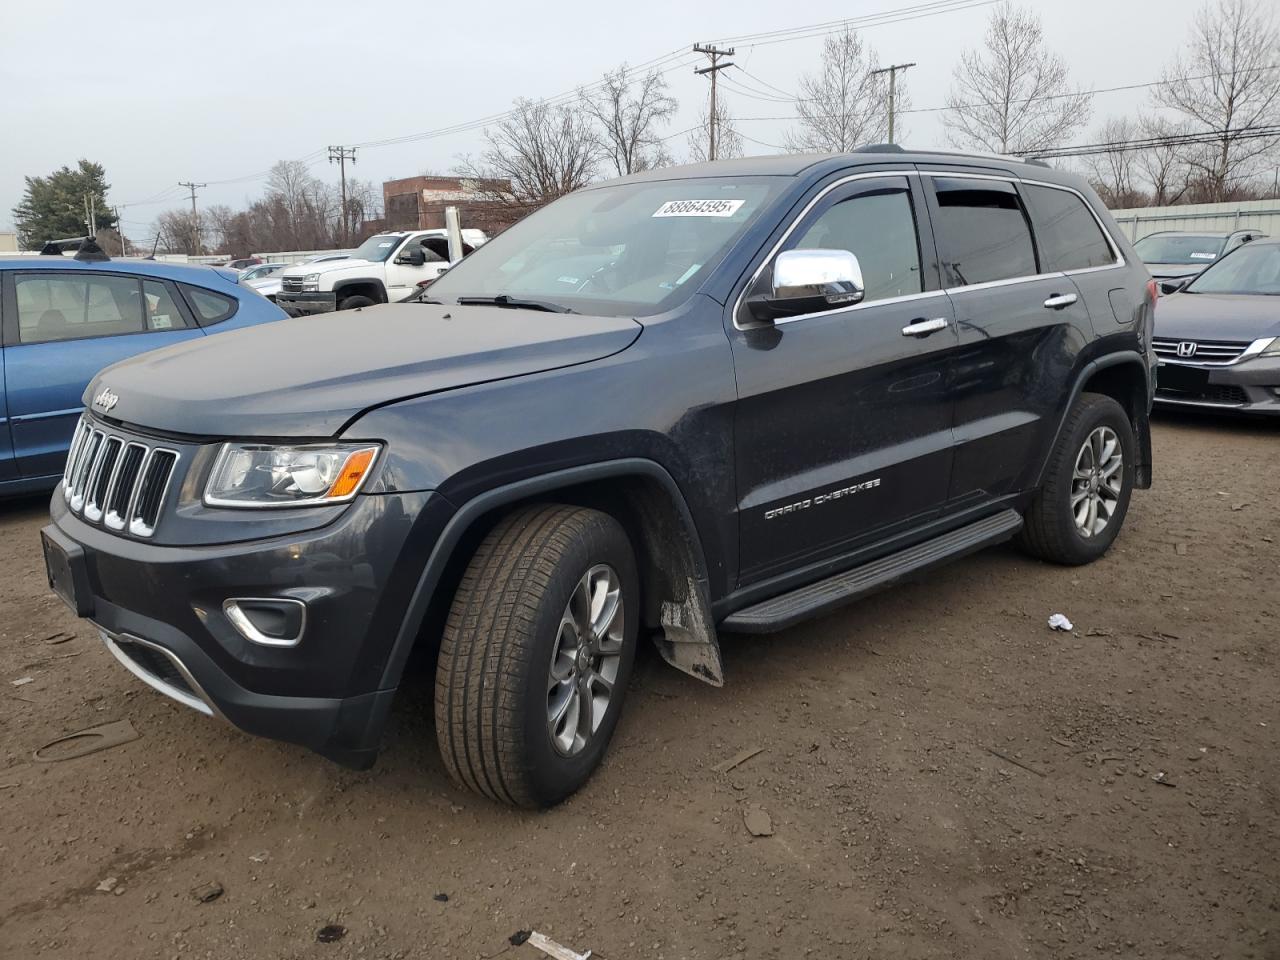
{"x":783,"y":611}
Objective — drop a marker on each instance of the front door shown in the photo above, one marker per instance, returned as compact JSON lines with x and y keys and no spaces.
{"x":843,"y":422}
{"x":60,"y":330}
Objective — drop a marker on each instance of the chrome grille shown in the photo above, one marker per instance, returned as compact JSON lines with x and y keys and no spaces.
{"x":117,"y":481}
{"x":1209,"y":353}
{"x":291,"y":284}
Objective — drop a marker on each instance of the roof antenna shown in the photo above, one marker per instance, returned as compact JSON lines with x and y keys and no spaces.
{"x":90,"y":252}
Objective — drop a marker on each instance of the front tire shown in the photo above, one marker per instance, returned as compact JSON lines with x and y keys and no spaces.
{"x":351,"y":303}
{"x":1078,"y":511}
{"x":536,"y":655}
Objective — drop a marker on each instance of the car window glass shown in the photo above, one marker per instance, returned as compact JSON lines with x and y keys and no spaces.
{"x":162,"y":311}
{"x":880,"y":230}
{"x":436,"y":249}
{"x":1251,"y":269}
{"x":210,"y":307}
{"x":1070,"y":238}
{"x":982,"y":233}
{"x":63,"y":307}
{"x":1179,"y":249}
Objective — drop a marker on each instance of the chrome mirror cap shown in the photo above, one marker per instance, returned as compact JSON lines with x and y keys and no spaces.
{"x":809,"y":281}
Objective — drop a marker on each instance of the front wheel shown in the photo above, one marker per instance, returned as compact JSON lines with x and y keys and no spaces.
{"x":536,"y":654}
{"x":353,"y":302}
{"x":1078,"y":511}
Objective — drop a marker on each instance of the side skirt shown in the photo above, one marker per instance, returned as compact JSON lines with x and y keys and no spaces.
{"x":787,"y":609}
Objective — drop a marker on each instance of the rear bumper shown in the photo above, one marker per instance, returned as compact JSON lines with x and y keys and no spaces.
{"x":1249,"y":387}
{"x":305,"y":304}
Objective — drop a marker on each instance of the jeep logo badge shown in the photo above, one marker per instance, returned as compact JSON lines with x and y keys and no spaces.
{"x":105,"y":400}
{"x":1187,"y":348}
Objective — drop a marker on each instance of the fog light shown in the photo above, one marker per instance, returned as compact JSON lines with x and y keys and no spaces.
{"x":268,"y":621}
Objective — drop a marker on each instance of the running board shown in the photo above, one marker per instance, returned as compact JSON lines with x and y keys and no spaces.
{"x":790,"y":608}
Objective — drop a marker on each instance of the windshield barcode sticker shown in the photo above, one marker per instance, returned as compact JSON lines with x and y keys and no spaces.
{"x":1204,"y":256}
{"x":699,"y":208}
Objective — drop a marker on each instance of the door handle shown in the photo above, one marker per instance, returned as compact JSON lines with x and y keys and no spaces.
{"x":1059,"y":301}
{"x":922,"y":328}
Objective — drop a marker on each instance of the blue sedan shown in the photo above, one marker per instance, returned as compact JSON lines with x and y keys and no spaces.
{"x":64,"y":319}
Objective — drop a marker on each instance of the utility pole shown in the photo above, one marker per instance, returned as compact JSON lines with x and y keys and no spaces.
{"x":120,"y":230}
{"x":195,"y":217}
{"x":892,"y":71}
{"x":715,"y":53}
{"x":87,"y":222}
{"x":342,"y":155}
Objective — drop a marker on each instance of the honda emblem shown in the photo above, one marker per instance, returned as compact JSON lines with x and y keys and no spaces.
{"x":1186,"y":348}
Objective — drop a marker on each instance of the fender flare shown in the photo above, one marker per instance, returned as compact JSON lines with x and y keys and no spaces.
{"x":1142,"y":429}
{"x":443,"y":550}
{"x":360,"y":281}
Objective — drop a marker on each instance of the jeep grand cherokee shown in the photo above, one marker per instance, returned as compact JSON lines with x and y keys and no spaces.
{"x":717,"y":398}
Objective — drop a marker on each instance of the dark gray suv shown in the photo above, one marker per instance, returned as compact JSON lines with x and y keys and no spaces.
{"x":699,"y":400}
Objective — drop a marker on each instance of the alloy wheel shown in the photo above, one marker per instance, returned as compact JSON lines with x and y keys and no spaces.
{"x":585,"y":660}
{"x":1097,"y":481}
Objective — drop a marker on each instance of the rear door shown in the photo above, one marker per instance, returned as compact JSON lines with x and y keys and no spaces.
{"x":1021,"y":325}
{"x":60,"y":330}
{"x":843,"y":422}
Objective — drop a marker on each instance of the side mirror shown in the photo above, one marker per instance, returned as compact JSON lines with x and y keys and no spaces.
{"x":1173,"y":286}
{"x":809,"y":281}
{"x":414,"y":257}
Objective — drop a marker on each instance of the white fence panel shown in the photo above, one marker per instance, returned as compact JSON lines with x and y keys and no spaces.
{"x":1210,"y":217}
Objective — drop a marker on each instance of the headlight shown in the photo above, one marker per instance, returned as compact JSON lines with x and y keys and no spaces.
{"x":311,"y":281}
{"x":1272,"y":349}
{"x":264,"y":475}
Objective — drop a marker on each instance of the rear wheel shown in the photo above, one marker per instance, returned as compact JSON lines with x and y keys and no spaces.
{"x":350,"y":303}
{"x":536,"y":655}
{"x":1078,"y":511}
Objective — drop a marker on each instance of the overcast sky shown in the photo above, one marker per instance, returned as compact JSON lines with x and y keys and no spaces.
{"x":165,"y":91}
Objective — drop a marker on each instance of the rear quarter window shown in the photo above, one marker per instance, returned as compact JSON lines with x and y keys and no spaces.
{"x":1069,"y":235}
{"x":209,"y":307}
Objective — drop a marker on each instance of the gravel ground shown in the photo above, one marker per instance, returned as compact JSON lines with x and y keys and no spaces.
{"x":943,"y":776}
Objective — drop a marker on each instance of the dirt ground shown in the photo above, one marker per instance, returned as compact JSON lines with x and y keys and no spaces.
{"x":945,"y":777}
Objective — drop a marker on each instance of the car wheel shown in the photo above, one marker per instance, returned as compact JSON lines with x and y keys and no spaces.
{"x":1078,"y":511}
{"x":350,"y":303}
{"x":536,"y":654}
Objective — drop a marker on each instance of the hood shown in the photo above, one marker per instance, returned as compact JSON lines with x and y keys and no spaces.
{"x":1217,"y":316}
{"x":308,"y":376}
{"x":1173,"y":271}
{"x":264,"y":285}
{"x":324,"y":266}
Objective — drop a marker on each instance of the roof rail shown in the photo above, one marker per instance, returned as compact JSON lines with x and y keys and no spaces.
{"x":55,"y":248}
{"x":879,"y":148}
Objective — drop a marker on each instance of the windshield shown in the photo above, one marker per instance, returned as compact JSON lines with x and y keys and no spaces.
{"x":1176,"y":249}
{"x":1251,"y":269}
{"x":377,"y":248}
{"x":625,"y":250}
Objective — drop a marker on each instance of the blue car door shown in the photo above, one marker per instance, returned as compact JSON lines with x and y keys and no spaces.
{"x":61,"y":328}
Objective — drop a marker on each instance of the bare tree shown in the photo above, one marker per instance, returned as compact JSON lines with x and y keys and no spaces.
{"x":538,"y":153}
{"x":845,"y":104}
{"x":1113,"y":172}
{"x":728,"y":140}
{"x":1160,"y":166}
{"x":179,"y":232}
{"x":1227,"y":82}
{"x":628,"y":113}
{"x":1013,"y":95}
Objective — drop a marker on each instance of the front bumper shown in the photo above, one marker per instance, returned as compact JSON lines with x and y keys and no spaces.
{"x":159,"y":609}
{"x":1249,"y":387}
{"x":306,"y":304}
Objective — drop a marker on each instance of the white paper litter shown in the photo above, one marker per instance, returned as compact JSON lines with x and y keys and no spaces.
{"x":23,"y":681}
{"x":1059,"y":622}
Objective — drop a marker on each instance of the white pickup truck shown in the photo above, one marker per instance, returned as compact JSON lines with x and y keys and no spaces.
{"x":386,"y":268}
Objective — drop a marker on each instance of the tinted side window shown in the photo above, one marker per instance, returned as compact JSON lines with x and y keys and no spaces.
{"x":880,"y":230}
{"x":982,"y":232}
{"x":210,"y":307}
{"x":67,"y":307}
{"x":162,"y":310}
{"x":1070,"y":238}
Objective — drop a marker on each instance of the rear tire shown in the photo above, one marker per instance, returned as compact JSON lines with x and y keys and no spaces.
{"x":529,"y":629}
{"x":1078,"y":511}
{"x":350,"y":303}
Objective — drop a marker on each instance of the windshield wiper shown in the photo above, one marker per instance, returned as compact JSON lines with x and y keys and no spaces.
{"x":515,"y":303}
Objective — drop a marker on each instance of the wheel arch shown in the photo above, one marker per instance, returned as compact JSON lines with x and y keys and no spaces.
{"x":361,"y":286}
{"x":1122,"y":376}
{"x":645,"y":499}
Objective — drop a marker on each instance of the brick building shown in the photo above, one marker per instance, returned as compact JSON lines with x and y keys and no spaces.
{"x":419,"y":202}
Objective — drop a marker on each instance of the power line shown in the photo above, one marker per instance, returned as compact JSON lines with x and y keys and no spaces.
{"x":1146,"y":143}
